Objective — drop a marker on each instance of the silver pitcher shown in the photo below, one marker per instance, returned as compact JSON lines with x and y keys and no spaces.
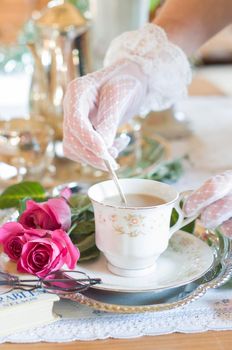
{"x":60,"y":54}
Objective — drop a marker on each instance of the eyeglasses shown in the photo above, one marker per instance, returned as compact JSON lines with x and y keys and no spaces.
{"x":57,"y":282}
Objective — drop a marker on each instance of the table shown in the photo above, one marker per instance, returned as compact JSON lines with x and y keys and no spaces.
{"x":209,"y":340}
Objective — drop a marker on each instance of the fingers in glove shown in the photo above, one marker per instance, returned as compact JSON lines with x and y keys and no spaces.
{"x":80,"y":102}
{"x":77,"y":125}
{"x":115,"y":98}
{"x":226,"y":228}
{"x":77,"y":152}
{"x":218,"y":212}
{"x":119,"y":144}
{"x":215,"y":188}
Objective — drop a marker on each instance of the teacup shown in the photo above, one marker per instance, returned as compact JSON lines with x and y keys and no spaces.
{"x":133,"y":238}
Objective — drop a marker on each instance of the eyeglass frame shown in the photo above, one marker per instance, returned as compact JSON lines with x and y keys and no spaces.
{"x":15,"y":282}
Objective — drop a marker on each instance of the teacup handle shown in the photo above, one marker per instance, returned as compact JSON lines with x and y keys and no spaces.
{"x":182,"y":221}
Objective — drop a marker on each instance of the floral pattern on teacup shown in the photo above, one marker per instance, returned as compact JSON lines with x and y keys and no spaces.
{"x":132,"y":233}
{"x":113,"y":218}
{"x":134,"y":220}
{"x":132,"y":225}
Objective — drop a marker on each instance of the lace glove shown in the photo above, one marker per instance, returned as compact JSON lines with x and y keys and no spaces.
{"x":143,"y":71}
{"x":94,"y":106}
{"x":214,"y":201}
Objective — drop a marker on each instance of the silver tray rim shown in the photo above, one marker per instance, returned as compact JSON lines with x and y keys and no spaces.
{"x":223,"y":260}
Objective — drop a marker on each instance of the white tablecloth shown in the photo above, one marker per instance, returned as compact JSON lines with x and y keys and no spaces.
{"x":210,"y":147}
{"x":209,"y":150}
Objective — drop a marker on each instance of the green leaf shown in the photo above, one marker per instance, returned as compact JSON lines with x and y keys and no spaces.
{"x":22,"y":205}
{"x":12,"y":196}
{"x":86,"y":243}
{"x":190,"y":227}
{"x":89,"y":254}
{"x":83,"y":232}
{"x":83,"y":228}
{"x":154,"y":4}
{"x":168,"y":172}
{"x":187,"y":228}
{"x":78,"y":201}
{"x":174,"y":217}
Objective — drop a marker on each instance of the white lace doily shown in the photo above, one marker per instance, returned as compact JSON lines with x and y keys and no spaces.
{"x":212,"y":312}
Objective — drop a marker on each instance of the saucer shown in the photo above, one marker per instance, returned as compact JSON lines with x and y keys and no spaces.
{"x":167,"y":299}
{"x":186,"y":259}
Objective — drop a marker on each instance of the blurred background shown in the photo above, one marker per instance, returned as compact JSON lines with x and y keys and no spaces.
{"x":115,"y":15}
{"x":45,"y":44}
{"x":104,"y":20}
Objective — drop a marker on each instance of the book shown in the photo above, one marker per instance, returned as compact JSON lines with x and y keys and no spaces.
{"x":21,"y":310}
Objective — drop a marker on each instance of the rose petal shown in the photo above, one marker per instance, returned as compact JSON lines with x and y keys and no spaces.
{"x":10,"y":229}
{"x":37,"y":215}
{"x":13,"y":247}
{"x":34,"y":233}
{"x":66,"y":193}
{"x":73,"y":253}
{"x":61,"y":212}
{"x":54,"y":256}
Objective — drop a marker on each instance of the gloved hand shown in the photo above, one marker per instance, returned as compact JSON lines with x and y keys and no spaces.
{"x":144,"y":71}
{"x":94,"y":106}
{"x":214,"y":201}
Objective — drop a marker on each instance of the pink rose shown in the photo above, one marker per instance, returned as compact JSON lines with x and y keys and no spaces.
{"x":66,"y":193}
{"x":42,"y":255}
{"x":51,"y":215}
{"x":12,"y":237}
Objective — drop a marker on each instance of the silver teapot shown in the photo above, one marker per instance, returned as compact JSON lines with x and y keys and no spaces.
{"x":60,"y":54}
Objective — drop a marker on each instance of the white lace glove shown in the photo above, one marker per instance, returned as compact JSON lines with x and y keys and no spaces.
{"x":214,"y":201}
{"x":94,"y":106}
{"x":143,"y":71}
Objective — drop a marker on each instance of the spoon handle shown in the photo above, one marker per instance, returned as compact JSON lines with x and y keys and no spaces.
{"x":116,"y":181}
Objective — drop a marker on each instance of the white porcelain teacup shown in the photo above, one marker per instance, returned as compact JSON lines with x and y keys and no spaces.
{"x":132,"y":238}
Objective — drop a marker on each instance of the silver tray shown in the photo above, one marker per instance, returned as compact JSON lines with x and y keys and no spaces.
{"x":170,"y":298}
